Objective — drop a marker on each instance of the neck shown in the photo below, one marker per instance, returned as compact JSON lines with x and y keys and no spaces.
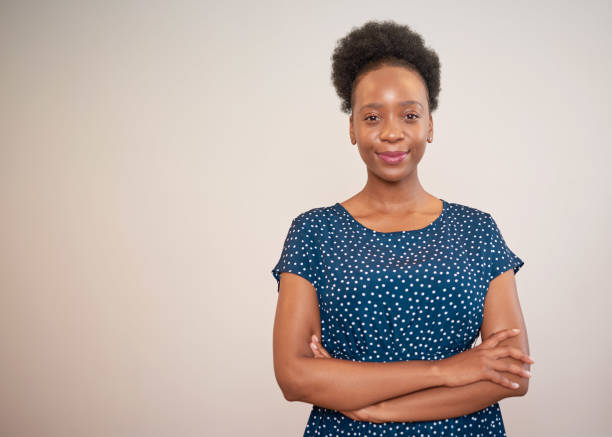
{"x":407,"y":194}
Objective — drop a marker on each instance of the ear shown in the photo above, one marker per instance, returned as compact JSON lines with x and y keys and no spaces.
{"x":352,"y":130}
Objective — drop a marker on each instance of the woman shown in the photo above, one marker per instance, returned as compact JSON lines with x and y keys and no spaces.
{"x":382,"y":296}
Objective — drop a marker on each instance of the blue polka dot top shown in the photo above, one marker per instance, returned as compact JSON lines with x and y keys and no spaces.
{"x":396,"y":296}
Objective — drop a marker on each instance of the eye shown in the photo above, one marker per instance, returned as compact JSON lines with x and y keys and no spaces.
{"x":373,"y":117}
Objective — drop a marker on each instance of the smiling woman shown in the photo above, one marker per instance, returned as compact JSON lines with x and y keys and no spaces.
{"x":392,"y":122}
{"x":394,"y":285}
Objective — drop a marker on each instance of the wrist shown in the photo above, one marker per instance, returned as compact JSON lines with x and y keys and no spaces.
{"x":437,"y":370}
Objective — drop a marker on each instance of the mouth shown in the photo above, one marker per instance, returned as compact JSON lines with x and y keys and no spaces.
{"x":392,"y":157}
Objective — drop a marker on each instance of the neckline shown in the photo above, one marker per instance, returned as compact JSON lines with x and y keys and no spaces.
{"x":404,"y":232}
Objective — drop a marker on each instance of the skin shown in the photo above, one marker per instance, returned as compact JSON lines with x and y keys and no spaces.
{"x":501,"y":309}
{"x":393,"y":199}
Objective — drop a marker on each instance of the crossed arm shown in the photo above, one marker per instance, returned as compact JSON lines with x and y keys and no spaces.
{"x":443,"y":402}
{"x":501,"y":310}
{"x":397,"y":391}
{"x":437,"y":402}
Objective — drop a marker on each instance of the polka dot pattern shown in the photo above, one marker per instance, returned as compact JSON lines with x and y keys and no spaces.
{"x":397,"y":296}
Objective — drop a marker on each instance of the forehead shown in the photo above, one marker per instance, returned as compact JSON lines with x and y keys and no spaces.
{"x":389,"y":85}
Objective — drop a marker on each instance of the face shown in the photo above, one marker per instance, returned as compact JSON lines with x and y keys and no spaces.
{"x":390,"y":113}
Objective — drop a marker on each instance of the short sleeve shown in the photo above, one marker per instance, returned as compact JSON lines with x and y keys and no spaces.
{"x":300,"y":253}
{"x":498,"y":256}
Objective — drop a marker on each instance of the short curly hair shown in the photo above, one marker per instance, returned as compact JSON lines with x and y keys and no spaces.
{"x":378,"y":43}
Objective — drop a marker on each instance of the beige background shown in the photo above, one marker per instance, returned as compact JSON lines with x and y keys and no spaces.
{"x":152,"y":156}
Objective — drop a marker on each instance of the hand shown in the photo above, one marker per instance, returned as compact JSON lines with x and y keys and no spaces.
{"x":365,"y":414}
{"x":482,"y":362}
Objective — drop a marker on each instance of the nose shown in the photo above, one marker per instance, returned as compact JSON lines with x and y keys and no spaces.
{"x":391,"y":131}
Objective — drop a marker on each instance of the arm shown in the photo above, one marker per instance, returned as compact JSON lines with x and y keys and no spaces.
{"x":441,"y":402}
{"x":501,"y":310}
{"x":333,"y":383}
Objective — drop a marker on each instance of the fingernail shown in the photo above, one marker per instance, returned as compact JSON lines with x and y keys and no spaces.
{"x":515,"y":329}
{"x":527,"y":372}
{"x":515,"y":385}
{"x":315,"y":337}
{"x":314,"y":346}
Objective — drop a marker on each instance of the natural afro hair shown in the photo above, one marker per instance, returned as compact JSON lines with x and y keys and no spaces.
{"x":378,"y":43}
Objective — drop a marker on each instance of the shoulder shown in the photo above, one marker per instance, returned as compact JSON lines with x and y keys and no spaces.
{"x":314,"y":221}
{"x":469,"y":214}
{"x":314,"y":215}
{"x":482,"y":225}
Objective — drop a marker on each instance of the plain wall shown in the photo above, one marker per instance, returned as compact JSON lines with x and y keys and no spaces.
{"x":153,"y":154}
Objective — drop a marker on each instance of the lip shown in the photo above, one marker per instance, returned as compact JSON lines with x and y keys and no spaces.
{"x":392,"y":157}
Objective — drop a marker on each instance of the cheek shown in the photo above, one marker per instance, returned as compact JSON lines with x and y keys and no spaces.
{"x":419,"y":148}
{"x":416,"y":154}
{"x":366,"y":154}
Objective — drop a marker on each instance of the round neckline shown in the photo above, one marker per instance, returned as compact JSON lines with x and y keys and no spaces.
{"x":409,"y":231}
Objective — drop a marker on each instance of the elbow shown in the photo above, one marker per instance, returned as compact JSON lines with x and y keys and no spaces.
{"x":523,"y":381}
{"x":521,"y":390}
{"x":290,"y":392}
{"x":524,"y":384}
{"x":288,"y":380}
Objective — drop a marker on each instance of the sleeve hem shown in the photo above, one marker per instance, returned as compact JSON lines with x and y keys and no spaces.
{"x":277,"y":272}
{"x":514,"y":264}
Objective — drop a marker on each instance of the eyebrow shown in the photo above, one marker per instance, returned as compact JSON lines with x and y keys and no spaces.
{"x":404,"y":103}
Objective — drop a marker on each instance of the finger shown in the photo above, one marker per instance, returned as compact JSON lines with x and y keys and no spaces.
{"x":502,"y":380}
{"x":349,"y":414}
{"x":324,"y":351}
{"x":320,"y":347}
{"x":494,"y":339}
{"x":512,"y":368}
{"x":520,"y":355}
{"x":514,"y":352}
{"x":315,"y":350}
